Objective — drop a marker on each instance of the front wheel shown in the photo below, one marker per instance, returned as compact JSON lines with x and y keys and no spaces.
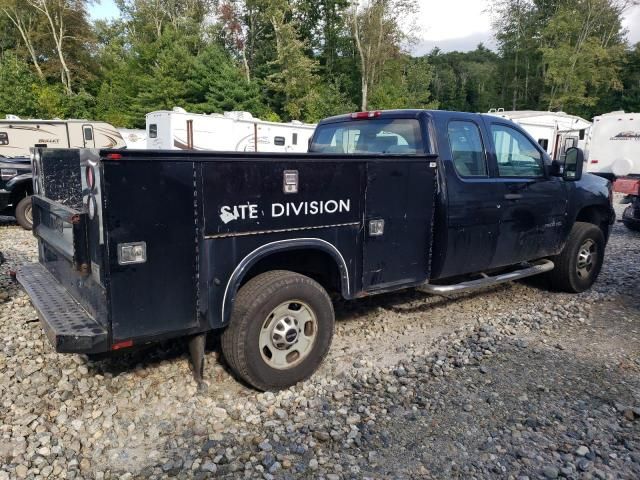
{"x":629,"y":220}
{"x":24,"y":215}
{"x":579,"y":263}
{"x":280,"y":331}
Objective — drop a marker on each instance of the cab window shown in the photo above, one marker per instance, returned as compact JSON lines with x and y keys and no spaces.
{"x":400,"y":136}
{"x":517,"y":155}
{"x":466,"y":149}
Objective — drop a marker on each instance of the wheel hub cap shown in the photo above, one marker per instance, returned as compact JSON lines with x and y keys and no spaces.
{"x":285,"y":333}
{"x":587,"y":258}
{"x":288,"y":335}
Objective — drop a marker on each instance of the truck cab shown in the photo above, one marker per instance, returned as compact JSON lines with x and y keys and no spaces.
{"x":500,"y":199}
{"x":141,"y":246}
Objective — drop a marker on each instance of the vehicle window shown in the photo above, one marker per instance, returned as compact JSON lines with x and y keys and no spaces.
{"x":279,"y":141}
{"x":400,"y":136}
{"x":4,"y":138}
{"x":517,"y":156}
{"x":544,"y":143}
{"x":88,"y":133}
{"x":153,"y":130}
{"x":466,"y":149}
{"x":294,"y":139}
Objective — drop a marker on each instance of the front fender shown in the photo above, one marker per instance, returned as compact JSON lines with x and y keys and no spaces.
{"x":236,"y":278}
{"x":20,"y":181}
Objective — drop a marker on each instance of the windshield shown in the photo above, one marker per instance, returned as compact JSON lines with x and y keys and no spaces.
{"x":400,"y":136}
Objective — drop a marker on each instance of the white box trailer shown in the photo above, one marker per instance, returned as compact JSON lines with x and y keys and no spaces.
{"x":613,"y":145}
{"x":232,"y":131}
{"x":17,"y":136}
{"x":556,"y":132}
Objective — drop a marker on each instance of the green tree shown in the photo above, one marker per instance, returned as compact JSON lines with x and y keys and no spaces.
{"x":17,"y":86}
{"x":582,"y":49}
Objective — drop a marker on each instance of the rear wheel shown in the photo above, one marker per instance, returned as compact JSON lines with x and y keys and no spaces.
{"x":24,"y":213}
{"x":579,"y":263}
{"x":280,"y":331}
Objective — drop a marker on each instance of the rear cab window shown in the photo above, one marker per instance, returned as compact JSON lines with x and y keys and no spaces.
{"x":400,"y":136}
{"x":467,"y":150}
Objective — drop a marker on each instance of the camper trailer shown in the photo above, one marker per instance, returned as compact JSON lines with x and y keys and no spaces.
{"x":613,"y":152}
{"x":17,"y":136}
{"x":134,"y":138}
{"x":556,"y":132}
{"x":613,"y":146}
{"x":232,"y":131}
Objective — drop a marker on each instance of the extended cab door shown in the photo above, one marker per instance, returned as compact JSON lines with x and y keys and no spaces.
{"x":400,"y":199}
{"x":532,"y":203}
{"x":466,"y":238}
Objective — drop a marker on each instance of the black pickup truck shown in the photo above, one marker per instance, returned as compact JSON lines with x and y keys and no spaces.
{"x":16,"y":189}
{"x":141,"y":246}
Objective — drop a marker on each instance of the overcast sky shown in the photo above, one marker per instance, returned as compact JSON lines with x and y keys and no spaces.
{"x":447,"y":24}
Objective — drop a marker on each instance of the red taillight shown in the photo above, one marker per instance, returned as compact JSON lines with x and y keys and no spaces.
{"x":595,"y":161}
{"x":628,"y":186}
{"x":362,"y":115}
{"x":122,"y":344}
{"x":90,"y":177}
{"x":114,"y":156}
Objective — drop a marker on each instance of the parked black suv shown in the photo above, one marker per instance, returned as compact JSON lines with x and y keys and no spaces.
{"x":16,"y":189}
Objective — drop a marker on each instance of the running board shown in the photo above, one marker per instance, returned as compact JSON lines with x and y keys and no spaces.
{"x":534,"y":268}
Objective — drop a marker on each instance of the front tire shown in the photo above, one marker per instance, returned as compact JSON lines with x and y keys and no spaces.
{"x":280,"y":331}
{"x":23,"y":213}
{"x":629,"y":221}
{"x":579,"y":263}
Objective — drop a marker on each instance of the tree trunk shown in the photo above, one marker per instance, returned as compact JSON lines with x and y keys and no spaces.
{"x":58,"y":37}
{"x":245,"y":63}
{"x":19,"y":24}
{"x":364,"y":88}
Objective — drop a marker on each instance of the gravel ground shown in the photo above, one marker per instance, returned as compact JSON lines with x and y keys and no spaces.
{"x":512,"y":382}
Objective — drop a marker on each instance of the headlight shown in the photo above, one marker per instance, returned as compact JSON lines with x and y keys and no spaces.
{"x":8,"y":173}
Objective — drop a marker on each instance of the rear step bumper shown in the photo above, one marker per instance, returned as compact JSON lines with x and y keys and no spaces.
{"x":534,"y":268}
{"x":67,"y":325}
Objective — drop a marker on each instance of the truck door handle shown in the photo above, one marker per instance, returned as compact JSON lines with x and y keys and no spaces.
{"x":513,"y":196}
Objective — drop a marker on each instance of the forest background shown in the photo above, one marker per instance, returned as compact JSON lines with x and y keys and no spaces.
{"x":305,"y":60}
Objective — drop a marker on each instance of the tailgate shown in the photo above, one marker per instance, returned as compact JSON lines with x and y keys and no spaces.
{"x":67,"y":223}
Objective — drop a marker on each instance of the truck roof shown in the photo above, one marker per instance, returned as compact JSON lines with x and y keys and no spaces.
{"x":401,"y":113}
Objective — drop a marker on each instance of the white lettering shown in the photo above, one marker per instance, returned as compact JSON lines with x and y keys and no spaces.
{"x":296,"y":211}
{"x":331,"y":206}
{"x":275,"y":206}
{"x":315,"y":207}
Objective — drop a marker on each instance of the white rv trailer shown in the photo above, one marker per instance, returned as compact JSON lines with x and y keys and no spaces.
{"x":134,"y":137}
{"x":554,"y":131}
{"x":231,"y":131}
{"x":17,"y":136}
{"x":613,"y":145}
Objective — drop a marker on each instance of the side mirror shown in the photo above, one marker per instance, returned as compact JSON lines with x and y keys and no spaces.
{"x":573,"y":165}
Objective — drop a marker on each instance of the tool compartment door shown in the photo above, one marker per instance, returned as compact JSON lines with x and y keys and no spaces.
{"x":401,"y":193}
{"x":152,"y":202}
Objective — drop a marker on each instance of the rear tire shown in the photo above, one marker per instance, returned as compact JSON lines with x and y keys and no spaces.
{"x":579,"y":263}
{"x":23,"y":213}
{"x":280,"y":331}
